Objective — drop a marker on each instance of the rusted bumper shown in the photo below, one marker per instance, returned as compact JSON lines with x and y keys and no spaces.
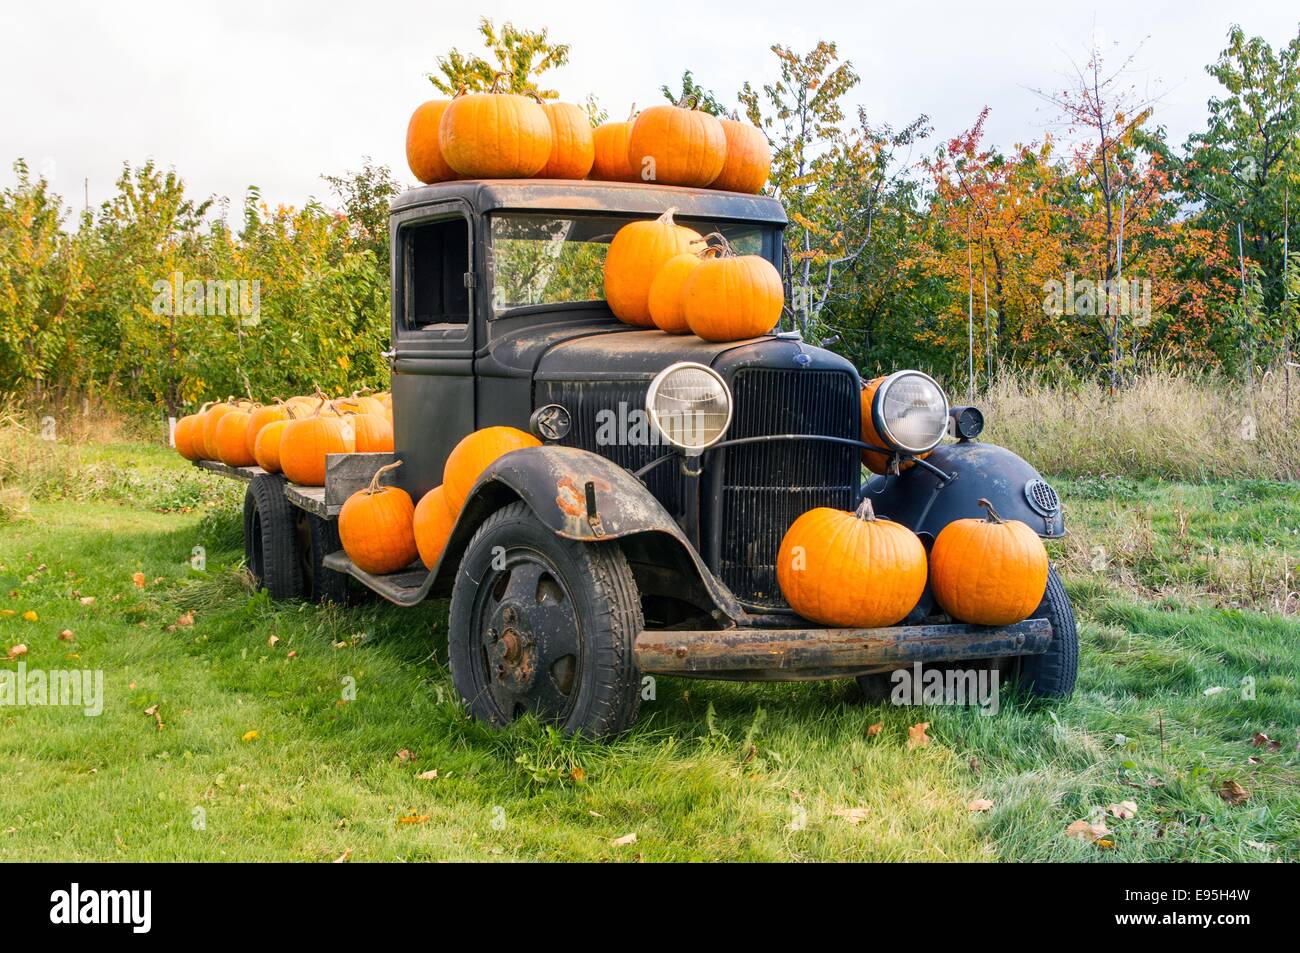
{"x":798,"y":654}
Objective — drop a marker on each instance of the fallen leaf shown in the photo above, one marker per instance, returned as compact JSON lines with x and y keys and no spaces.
{"x":185,"y":618}
{"x":1233,"y":793}
{"x":578,"y":775}
{"x":413,"y":818}
{"x":293,"y":655}
{"x":1262,"y":740}
{"x":595,"y":814}
{"x":1123,"y":810}
{"x":1085,"y":830}
{"x":854,"y":815}
{"x":1213,"y":690}
{"x":30,"y":615}
{"x":975,"y":765}
{"x":406,"y":755}
{"x":138,"y":579}
{"x":1265,"y":848}
{"x":250,"y":735}
{"x":979,"y":804}
{"x":67,"y":636}
{"x":916,"y":736}
{"x":343,"y":857}
{"x":152,"y":712}
{"x":87,"y":600}
{"x":624,"y":841}
{"x":428,"y":775}
{"x":877,"y":728}
{"x":273,"y":641}
{"x":16,"y":651}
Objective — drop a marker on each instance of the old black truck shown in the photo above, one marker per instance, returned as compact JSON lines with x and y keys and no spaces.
{"x":624,"y":547}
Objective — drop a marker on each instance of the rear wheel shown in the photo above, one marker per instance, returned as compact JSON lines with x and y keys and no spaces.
{"x":270,"y":546}
{"x":317,"y":538}
{"x":546,"y":626}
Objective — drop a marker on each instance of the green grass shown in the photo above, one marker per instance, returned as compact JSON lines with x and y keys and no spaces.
{"x":1192,"y":597}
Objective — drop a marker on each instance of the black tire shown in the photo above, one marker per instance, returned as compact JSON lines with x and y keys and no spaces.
{"x":547,"y":626}
{"x":1052,"y":674}
{"x":317,"y":538}
{"x":270,"y":546}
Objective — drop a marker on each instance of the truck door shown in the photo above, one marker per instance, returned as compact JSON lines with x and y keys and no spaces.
{"x":433,"y":339}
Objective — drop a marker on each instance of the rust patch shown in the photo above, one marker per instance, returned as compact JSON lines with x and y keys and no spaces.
{"x":570,"y":498}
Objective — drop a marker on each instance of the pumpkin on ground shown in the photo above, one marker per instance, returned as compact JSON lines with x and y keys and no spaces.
{"x":665,"y":299}
{"x":258,"y":418}
{"x":232,"y":439}
{"x":433,"y":525}
{"x":672,"y":145}
{"x":373,"y":432}
{"x":610,"y":163}
{"x":305,"y":442}
{"x":183,"y":436}
{"x":423,"y":152}
{"x":266,"y":450}
{"x":495,"y":136}
{"x":573,"y":150}
{"x":636,"y":254}
{"x":474,"y":454}
{"x":731,"y":297}
{"x":376,"y":526}
{"x":749,"y":158}
{"x":990,"y":571}
{"x":853,"y":570}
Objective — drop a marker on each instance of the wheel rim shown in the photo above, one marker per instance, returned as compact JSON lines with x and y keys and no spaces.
{"x":530,"y":641}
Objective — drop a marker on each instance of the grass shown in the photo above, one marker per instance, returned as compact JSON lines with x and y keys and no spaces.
{"x":1190,"y":626}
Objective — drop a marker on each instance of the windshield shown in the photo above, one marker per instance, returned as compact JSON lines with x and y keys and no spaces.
{"x":542,"y":259}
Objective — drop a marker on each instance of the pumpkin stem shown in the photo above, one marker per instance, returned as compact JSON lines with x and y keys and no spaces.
{"x":374,"y":480}
{"x":993,"y":514}
{"x":631,"y":113}
{"x":722,"y":248}
{"x":865,"y":511}
{"x":496,"y":80}
{"x":667,"y":216}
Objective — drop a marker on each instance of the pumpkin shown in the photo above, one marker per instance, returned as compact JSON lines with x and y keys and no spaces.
{"x":671,"y":145}
{"x":266,"y":451}
{"x":208,"y":439}
{"x":305,"y":442}
{"x":376,"y":526}
{"x":634,"y":257}
{"x":988,"y":571}
{"x":258,"y":418}
{"x":358,"y":405}
{"x":610,"y":141}
{"x":573,"y":149}
{"x":423,"y":151}
{"x":183,"y":436}
{"x":433,"y":526}
{"x":373,"y":432}
{"x":878,"y":462}
{"x":665,"y":300}
{"x":232,"y":439}
{"x":853,"y":570}
{"x":495,"y":135}
{"x":731,"y":297}
{"x":748,"y":161}
{"x":474,"y":454}
{"x":304,"y":406}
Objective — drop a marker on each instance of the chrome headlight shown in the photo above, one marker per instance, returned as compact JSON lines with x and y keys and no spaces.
{"x":689,"y":406}
{"x":910,"y":412}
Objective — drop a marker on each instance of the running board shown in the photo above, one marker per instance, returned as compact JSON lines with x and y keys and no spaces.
{"x":406,"y":587}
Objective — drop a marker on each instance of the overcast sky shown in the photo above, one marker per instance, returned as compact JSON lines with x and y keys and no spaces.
{"x":234,"y":93}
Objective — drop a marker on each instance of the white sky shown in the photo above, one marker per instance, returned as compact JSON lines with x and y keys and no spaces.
{"x":275,"y":94}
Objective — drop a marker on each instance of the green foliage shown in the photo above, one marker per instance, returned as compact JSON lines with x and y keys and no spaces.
{"x":693,"y":96}
{"x":521,"y":56}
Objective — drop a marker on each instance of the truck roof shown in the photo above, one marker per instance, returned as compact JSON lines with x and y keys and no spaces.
{"x":572,"y":195}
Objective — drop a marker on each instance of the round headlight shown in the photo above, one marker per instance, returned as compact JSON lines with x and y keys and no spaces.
{"x":910,"y":411}
{"x":689,"y":406}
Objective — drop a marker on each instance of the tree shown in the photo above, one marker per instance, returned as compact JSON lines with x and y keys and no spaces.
{"x":693,"y":95}
{"x":365,"y":194}
{"x":521,"y":56}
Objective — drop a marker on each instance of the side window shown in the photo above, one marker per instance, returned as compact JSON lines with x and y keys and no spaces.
{"x":436,"y":259}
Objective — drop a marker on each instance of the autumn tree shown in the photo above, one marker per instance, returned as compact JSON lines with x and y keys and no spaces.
{"x":518,"y":59}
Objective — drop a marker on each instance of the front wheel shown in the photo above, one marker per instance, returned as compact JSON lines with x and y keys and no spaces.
{"x":1052,"y":674}
{"x":546,"y":626}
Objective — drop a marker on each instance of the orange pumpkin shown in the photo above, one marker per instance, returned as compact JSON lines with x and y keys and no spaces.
{"x":990,"y":571}
{"x":208,"y":439}
{"x":748,"y":161}
{"x":232,"y":439}
{"x":853,"y":570}
{"x":376,"y":526}
{"x":373,"y":432}
{"x":731,"y":297}
{"x":610,"y":163}
{"x":878,"y":462}
{"x":258,"y":418}
{"x":357,"y":404}
{"x":183,"y":436}
{"x":665,"y":299}
{"x":474,"y":454}
{"x":573,"y":150}
{"x":495,"y":136}
{"x":423,"y":152}
{"x":671,"y":145}
{"x":636,"y":254}
{"x":433,"y":526}
{"x":266,"y":451}
{"x":304,"y":444}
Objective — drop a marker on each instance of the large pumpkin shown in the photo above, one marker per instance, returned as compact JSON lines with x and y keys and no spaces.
{"x":610,"y":163}
{"x":183,"y":436}
{"x":433,"y":526}
{"x":376,"y":526}
{"x":748,"y":161}
{"x":373,"y":432}
{"x":358,"y":404}
{"x":232,"y":439}
{"x":474,"y":454}
{"x":305,"y":443}
{"x":990,"y":571}
{"x":423,"y":151}
{"x":634,"y":257}
{"x":495,"y":136}
{"x":852,"y":570}
{"x":573,"y":150}
{"x":258,"y":418}
{"x":665,"y":300}
{"x":266,"y":450}
{"x":731,"y":297}
{"x":208,"y":438}
{"x":671,"y":145}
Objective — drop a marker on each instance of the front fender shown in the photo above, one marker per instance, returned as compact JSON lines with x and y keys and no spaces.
{"x":926,"y":503}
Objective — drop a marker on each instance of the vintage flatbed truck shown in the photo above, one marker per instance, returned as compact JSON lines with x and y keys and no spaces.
{"x":625,"y":546}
